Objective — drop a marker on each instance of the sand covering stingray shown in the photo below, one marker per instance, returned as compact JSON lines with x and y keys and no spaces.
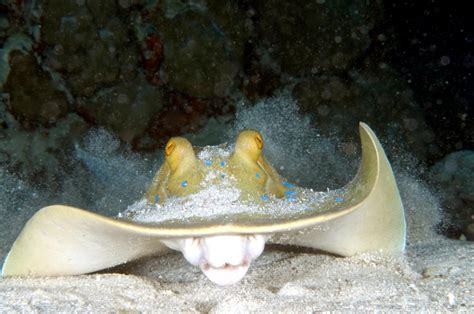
{"x":365,"y":215}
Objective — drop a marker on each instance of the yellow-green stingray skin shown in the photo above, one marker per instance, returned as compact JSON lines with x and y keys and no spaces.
{"x":182,"y":173}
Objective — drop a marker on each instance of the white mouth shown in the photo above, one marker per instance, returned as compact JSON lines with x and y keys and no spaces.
{"x":224,"y":259}
{"x":225,"y":275}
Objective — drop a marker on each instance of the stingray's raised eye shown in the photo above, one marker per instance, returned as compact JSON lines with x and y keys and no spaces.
{"x":170,"y":148}
{"x":259,"y":140}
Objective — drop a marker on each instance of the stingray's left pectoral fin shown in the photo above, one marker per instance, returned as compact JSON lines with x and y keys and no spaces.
{"x":60,"y":240}
{"x":374,"y":219}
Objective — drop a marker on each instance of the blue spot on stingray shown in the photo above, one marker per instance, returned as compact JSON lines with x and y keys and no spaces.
{"x":339,"y":199}
{"x":257,"y":175}
{"x":264,"y":197}
{"x":222,"y":163}
{"x":207,"y":162}
{"x":184,"y":183}
{"x":288,"y":184}
{"x":291,"y":198}
{"x":290,"y":192}
{"x":157,"y":199}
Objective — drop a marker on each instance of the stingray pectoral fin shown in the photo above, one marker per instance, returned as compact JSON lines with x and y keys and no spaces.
{"x":376,"y":222}
{"x":61,"y":240}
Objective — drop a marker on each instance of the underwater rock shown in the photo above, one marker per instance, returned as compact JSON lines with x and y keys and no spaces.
{"x":377,"y":96}
{"x":88,"y":44}
{"x":15,"y":43}
{"x":234,"y":23}
{"x":239,"y":22}
{"x":261,"y":80}
{"x":34,"y":100}
{"x":126,"y":109}
{"x":317,"y":36}
{"x":199,"y":59}
{"x":18,"y":17}
{"x":454,"y":175}
{"x":4,"y":25}
{"x":152,"y":56}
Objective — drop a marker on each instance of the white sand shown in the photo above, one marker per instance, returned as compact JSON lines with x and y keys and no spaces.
{"x":430,"y":277}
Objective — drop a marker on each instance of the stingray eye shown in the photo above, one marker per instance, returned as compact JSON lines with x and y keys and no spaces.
{"x":170,"y":148}
{"x":259,"y":141}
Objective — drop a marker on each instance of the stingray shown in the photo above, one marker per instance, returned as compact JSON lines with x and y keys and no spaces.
{"x":365,"y":215}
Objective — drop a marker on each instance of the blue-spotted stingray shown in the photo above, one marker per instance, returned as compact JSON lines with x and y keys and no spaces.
{"x":366,"y":215}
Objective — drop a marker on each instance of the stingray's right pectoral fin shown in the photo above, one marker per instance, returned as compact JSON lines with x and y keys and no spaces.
{"x":375,"y":221}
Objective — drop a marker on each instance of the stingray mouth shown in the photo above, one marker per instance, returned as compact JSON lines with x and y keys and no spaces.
{"x":224,"y":259}
{"x":227,"y":274}
{"x":227,"y":266}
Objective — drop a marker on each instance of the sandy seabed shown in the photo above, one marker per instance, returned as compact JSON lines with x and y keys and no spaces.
{"x":437,"y":276}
